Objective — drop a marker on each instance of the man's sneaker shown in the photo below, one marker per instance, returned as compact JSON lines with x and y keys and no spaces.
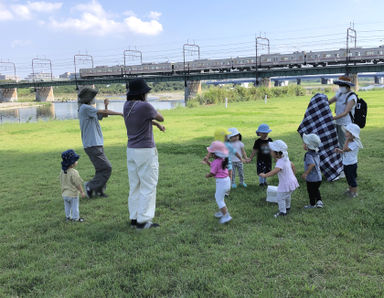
{"x":278,"y":214}
{"x":146,"y":225}
{"x":102,"y":195}
{"x":234,"y":185}
{"x":243,"y":184}
{"x":319,"y":204}
{"x":88,"y":191}
{"x":309,"y":207}
{"x":133,"y":223}
{"x":219,"y":214}
{"x":225,"y":218}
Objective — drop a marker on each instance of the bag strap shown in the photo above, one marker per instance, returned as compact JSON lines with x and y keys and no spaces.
{"x":346,"y":101}
{"x":133,"y":105}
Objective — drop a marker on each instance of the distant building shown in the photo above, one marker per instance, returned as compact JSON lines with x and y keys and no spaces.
{"x":42,"y":76}
{"x":9,"y":78}
{"x":69,"y":76}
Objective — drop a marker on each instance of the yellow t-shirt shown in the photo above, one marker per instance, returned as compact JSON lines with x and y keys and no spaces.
{"x":69,"y":182}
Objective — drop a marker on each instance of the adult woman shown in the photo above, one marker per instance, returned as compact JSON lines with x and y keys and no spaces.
{"x":345,"y":104}
{"x":142,"y":159}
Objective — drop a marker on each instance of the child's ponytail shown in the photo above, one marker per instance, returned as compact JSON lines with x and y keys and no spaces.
{"x":224,"y":164}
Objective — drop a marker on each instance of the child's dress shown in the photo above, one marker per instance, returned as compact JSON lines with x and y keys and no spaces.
{"x":287,"y":184}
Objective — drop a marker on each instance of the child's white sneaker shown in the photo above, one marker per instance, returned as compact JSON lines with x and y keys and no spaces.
{"x":219,"y":214}
{"x":226,"y":218}
{"x":319,"y":204}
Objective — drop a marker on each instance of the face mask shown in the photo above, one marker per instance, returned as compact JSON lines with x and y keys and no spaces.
{"x":343,"y":89}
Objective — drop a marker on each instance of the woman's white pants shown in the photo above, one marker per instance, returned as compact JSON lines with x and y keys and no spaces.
{"x":143,"y":173}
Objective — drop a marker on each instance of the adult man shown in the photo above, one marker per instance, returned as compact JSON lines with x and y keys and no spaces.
{"x":93,"y":141}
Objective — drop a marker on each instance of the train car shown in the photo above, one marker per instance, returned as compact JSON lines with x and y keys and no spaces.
{"x":244,"y":63}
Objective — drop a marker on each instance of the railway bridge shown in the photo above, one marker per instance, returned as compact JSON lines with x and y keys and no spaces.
{"x":8,"y":90}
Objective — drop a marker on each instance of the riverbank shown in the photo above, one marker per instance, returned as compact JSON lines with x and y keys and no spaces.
{"x":17,"y":105}
{"x":331,"y":252}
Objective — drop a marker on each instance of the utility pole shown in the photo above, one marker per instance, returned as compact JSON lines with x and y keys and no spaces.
{"x":264,"y":42}
{"x":41,"y":64}
{"x":83,"y":59}
{"x":131,"y":55}
{"x":192,"y":49}
{"x":7,"y":65}
{"x":351,"y":36}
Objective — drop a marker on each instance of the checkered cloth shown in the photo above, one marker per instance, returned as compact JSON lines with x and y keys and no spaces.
{"x":318,"y":120}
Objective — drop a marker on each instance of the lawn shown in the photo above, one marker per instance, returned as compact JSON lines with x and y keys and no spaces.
{"x":334,"y":251}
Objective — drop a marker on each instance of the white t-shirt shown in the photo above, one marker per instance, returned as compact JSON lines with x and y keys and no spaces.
{"x":341,"y":105}
{"x":238,"y":145}
{"x":350,"y":157}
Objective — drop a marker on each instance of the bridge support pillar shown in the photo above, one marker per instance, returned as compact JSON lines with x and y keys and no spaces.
{"x":379,"y":80}
{"x":265,"y":82}
{"x":355,"y":80}
{"x":192,"y":89}
{"x":276,"y":83}
{"x":8,"y":94}
{"x":325,"y":81}
{"x":298,"y":81}
{"x":44,"y":94}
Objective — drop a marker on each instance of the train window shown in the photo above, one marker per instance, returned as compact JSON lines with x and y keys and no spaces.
{"x":357,"y":53}
{"x":284,"y":59}
{"x":381,"y":53}
{"x":337,"y":55}
{"x":369,"y":53}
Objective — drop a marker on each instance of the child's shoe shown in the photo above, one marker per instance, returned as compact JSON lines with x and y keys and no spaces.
{"x":353,"y":194}
{"x":309,"y":207}
{"x":319,"y":204}
{"x":78,"y":220}
{"x":278,"y":214}
{"x":243,"y":184}
{"x":219,"y":214}
{"x":225,"y":218}
{"x":234,"y":185}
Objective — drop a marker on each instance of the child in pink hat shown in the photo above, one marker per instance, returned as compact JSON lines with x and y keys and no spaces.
{"x":219,"y":170}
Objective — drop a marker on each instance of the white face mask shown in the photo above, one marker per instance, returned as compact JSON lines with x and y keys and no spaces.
{"x":343,"y":89}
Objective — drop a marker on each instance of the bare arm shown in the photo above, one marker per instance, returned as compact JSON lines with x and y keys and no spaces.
{"x":108,"y":112}
{"x":293,"y":168}
{"x":158,"y":125}
{"x":80,"y":189}
{"x":348,"y":108}
{"x":209,"y":175}
{"x":271,"y":173}
{"x":159,"y":117}
{"x":244,"y":153}
{"x":206,"y":159}
{"x":254,"y":151}
{"x":332,"y":100}
{"x":305,"y":174}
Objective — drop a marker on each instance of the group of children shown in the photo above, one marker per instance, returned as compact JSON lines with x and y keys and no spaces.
{"x":228,"y":154}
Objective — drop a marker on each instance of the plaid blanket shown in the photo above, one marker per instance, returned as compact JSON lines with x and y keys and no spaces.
{"x":318,"y":120}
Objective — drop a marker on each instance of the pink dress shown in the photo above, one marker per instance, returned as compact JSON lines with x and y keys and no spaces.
{"x":287,"y":179}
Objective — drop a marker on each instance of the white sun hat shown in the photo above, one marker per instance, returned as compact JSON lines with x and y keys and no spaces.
{"x":234,"y":132}
{"x":312,"y":141}
{"x":355,"y":131}
{"x":279,"y":146}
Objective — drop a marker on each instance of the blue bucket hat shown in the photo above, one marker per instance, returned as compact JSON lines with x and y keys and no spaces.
{"x":263,"y":128}
{"x":69,"y":158}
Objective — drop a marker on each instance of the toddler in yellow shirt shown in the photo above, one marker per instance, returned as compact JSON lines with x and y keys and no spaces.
{"x":71,"y":185}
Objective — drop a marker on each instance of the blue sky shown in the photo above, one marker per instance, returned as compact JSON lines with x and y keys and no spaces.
{"x":60,"y":29}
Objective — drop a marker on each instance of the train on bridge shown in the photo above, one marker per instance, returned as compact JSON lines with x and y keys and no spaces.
{"x":296,"y":59}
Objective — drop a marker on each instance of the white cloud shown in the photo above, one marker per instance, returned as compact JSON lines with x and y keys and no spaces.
{"x":154,"y":15}
{"x":42,"y":6}
{"x":18,"y":43}
{"x":139,"y":26}
{"x":5,"y":14}
{"x":95,"y":20}
{"x":21,"y":11}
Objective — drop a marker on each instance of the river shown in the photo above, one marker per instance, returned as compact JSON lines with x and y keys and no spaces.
{"x":68,"y":110}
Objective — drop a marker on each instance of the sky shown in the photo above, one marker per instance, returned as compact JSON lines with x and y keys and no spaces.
{"x":58,"y":29}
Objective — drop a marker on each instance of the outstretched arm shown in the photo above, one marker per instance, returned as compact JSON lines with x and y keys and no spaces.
{"x":158,"y":125}
{"x":271,"y":173}
{"x":108,"y":112}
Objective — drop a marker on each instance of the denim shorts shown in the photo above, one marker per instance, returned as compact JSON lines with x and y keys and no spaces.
{"x":350,"y":172}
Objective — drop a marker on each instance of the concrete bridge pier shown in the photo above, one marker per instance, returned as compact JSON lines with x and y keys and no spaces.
{"x":379,"y":80}
{"x":325,"y":81}
{"x":8,"y":94}
{"x":192,"y":89}
{"x":355,"y":80}
{"x":44,"y":94}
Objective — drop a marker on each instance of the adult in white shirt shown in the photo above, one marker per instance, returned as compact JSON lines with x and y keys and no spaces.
{"x":345,"y":104}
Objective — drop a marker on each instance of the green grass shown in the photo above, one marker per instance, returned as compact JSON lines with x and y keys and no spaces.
{"x":335,"y":251}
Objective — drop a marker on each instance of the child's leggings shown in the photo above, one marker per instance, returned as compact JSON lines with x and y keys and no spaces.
{"x":71,"y":207}
{"x":222,"y":186}
{"x":237,"y":165}
{"x":284,"y":201}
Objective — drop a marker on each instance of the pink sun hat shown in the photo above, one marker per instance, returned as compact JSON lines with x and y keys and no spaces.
{"x":218,"y":148}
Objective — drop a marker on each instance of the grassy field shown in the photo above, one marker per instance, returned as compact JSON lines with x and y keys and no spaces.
{"x":334,"y":251}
